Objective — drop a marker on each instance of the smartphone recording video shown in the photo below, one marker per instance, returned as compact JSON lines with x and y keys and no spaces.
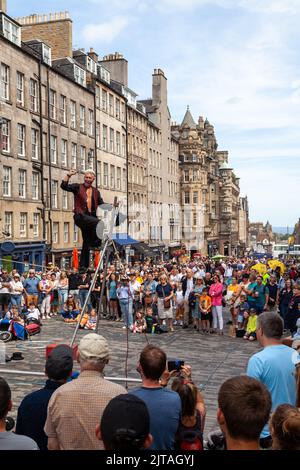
{"x":175,"y":365}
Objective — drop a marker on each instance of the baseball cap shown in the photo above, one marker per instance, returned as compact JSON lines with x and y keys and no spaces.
{"x":59,"y":363}
{"x":93,"y":346}
{"x":252,"y":310}
{"x":125,"y":422}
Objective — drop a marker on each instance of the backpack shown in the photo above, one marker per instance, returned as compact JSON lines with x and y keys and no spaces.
{"x":32,"y":329}
{"x":190,"y":438}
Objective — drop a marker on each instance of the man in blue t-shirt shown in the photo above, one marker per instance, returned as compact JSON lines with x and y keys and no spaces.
{"x":164,"y":405}
{"x":274,"y":366}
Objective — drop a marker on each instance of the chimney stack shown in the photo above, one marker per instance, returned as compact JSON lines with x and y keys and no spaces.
{"x":3,"y":6}
{"x":117,"y":66}
{"x":93,"y":55}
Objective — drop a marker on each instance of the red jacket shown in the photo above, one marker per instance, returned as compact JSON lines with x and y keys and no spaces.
{"x":215,"y":291}
{"x":80,"y":198}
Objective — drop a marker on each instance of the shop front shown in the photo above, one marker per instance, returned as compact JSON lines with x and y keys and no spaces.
{"x":22,"y":256}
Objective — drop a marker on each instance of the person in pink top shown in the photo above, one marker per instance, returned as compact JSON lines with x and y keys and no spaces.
{"x":215,"y":291}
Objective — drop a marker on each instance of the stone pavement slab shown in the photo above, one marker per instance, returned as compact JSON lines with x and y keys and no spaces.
{"x":213,"y":358}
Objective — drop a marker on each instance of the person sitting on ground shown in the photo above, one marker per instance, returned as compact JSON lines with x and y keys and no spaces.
{"x":70,"y":309}
{"x":164,"y":405}
{"x":244,"y":406}
{"x":251,"y":325}
{"x":140,"y":324}
{"x":92,"y":320}
{"x":78,"y":405}
{"x":205,"y":310}
{"x":125,"y":424}
{"x":151,"y":321}
{"x":32,"y":412}
{"x":33,"y":314}
{"x":285,"y":428}
{"x":10,"y":440}
{"x":16,"y":315}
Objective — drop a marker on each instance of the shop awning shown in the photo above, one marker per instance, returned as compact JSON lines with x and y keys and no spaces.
{"x":123,"y":239}
{"x":145,"y":249}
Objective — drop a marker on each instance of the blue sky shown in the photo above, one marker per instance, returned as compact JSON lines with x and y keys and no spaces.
{"x":236,"y":62}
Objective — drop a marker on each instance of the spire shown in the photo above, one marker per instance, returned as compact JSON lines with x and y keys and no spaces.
{"x":188,"y":119}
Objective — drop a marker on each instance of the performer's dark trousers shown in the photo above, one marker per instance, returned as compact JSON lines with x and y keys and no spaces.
{"x":87,"y":224}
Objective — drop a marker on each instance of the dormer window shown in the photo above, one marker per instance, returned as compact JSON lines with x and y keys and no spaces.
{"x":91,"y":65}
{"x":79,"y":75}
{"x":104,"y":74}
{"x":11,"y":31}
{"x":46,"y":54}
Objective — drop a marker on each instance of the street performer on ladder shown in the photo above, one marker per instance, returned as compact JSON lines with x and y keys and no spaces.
{"x":87,"y":199}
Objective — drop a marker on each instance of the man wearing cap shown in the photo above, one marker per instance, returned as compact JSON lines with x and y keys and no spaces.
{"x":75,"y":408}
{"x":125,"y":424}
{"x":86,"y":201}
{"x":32,"y":412}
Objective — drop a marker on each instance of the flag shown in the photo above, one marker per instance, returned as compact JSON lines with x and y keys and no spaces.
{"x":75,"y":258}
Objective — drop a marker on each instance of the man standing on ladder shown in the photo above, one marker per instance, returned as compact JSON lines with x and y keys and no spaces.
{"x":86,"y":201}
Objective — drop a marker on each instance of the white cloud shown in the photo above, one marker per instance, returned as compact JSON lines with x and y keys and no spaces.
{"x":105,"y":32}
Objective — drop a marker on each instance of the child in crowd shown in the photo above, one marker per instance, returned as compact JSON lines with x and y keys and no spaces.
{"x":92,"y":320}
{"x":16,"y":316}
{"x":243,"y":307}
{"x":205,"y":310}
{"x":140,"y":324}
{"x":33,"y":314}
{"x":151,"y":321}
{"x":251,"y":325}
{"x":179,"y":300}
{"x":83,"y":321}
{"x":70,"y":310}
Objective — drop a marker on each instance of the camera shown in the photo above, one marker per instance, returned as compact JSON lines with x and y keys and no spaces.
{"x":175,"y":365}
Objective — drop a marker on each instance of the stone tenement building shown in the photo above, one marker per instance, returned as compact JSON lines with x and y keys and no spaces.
{"x":163,"y":169}
{"x":261,"y":237}
{"x":153,"y":178}
{"x":62,"y":108}
{"x":209,"y":190}
{"x":55,"y":114}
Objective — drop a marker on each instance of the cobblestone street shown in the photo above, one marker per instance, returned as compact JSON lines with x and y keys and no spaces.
{"x":213,"y":358}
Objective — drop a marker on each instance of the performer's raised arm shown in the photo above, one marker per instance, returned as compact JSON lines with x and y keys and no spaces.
{"x":72,"y":188}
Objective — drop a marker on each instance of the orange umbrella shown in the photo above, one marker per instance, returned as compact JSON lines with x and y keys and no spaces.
{"x":96,"y":258}
{"x":75,"y":258}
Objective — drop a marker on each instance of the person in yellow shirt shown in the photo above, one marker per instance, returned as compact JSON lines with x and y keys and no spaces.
{"x":205,"y":310}
{"x":251,"y":325}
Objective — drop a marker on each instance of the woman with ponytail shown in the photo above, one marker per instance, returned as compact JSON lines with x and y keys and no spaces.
{"x":285,"y":428}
